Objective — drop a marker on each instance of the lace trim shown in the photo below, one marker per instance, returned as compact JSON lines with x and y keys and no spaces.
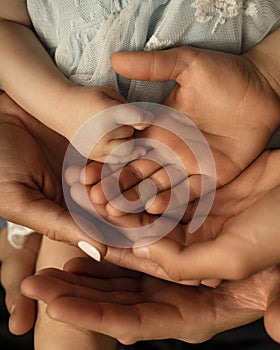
{"x":206,"y":10}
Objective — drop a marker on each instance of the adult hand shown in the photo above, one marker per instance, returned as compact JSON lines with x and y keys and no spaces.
{"x":242,"y":229}
{"x":132,"y":308}
{"x":16,"y":265}
{"x":31,"y":157}
{"x":225,"y":95}
{"x":30,"y":180}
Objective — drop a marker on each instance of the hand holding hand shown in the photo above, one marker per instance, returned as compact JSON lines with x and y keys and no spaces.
{"x":226,"y":96}
{"x":98,"y":126}
{"x":239,"y":237}
{"x":31,"y":157}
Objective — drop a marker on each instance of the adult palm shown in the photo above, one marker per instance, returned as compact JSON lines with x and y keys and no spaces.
{"x":226,"y":96}
{"x":31,"y":157}
{"x":131,"y":307}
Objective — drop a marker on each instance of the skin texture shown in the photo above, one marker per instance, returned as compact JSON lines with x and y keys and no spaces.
{"x":13,"y":271}
{"x":30,"y":76}
{"x":271,"y":298}
{"x":115,"y":302}
{"x":30,"y":176}
{"x":237,"y":119}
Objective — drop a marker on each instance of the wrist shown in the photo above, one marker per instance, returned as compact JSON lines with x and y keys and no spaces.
{"x":266,"y":59}
{"x":67,"y":109}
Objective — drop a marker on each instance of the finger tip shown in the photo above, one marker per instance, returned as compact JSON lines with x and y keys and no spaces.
{"x":113,"y":211}
{"x":212,"y":283}
{"x":91,"y":250}
{"x":272,"y":320}
{"x":142,"y":252}
{"x":72,"y":174}
{"x":96,"y":196}
{"x":20,"y":322}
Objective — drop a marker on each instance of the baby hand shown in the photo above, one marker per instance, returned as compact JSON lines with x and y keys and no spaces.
{"x":97,"y":135}
{"x":159,"y":181}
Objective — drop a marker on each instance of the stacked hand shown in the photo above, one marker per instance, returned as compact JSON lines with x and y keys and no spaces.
{"x":227,"y":98}
{"x":237,"y":136}
{"x":238,"y":243}
{"x":241,"y":232}
{"x":31,"y":157}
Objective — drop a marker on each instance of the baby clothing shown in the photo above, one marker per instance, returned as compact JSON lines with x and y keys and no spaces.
{"x":2,"y":223}
{"x":81,"y":36}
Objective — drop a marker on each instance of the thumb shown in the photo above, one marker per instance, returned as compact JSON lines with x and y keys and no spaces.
{"x":154,"y":65}
{"x":168,"y":255}
{"x":50,"y":219}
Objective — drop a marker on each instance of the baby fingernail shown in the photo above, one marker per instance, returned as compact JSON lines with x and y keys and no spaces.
{"x":90,"y":250}
{"x":142,"y":252}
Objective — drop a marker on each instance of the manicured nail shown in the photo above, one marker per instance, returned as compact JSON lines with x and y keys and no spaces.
{"x":142,"y":252}
{"x":90,"y":250}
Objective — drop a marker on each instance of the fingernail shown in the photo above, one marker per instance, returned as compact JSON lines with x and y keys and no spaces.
{"x":12,"y":314}
{"x":12,"y":309}
{"x":142,"y":252}
{"x":90,"y":250}
{"x":212,"y":283}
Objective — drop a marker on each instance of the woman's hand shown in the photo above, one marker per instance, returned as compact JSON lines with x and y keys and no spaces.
{"x":31,"y":158}
{"x":239,"y":237}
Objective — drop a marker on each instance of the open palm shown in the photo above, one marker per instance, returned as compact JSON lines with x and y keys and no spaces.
{"x":131,"y":307}
{"x":227,"y":98}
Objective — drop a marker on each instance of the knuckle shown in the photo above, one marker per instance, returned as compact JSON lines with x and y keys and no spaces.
{"x":146,"y":219}
{"x":161,"y":180}
{"x":135,"y":171}
{"x":159,"y":205}
{"x":174,"y":273}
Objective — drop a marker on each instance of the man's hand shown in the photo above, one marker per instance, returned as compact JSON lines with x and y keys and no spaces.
{"x":227,"y":98}
{"x":130,"y":308}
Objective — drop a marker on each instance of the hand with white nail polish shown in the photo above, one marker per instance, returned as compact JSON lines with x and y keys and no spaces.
{"x":30,"y":176}
{"x":31,"y":195}
{"x":227,"y":225}
{"x":243,"y":216}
